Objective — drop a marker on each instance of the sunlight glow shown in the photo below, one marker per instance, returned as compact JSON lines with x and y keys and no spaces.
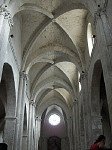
{"x":79,"y":82}
{"x":89,"y":38}
{"x":54,"y":119}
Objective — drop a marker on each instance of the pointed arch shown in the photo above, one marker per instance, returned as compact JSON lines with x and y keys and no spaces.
{"x":8,"y":98}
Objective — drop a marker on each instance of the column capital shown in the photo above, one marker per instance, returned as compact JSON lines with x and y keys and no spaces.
{"x":31,"y":102}
{"x":75,"y":104}
{"x":23,"y":75}
{"x":75,"y":101}
{"x":38,"y":119}
{"x":83,"y":76}
{"x":7,"y":15}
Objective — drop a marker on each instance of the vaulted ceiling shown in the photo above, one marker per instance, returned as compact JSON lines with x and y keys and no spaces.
{"x":53,"y":43}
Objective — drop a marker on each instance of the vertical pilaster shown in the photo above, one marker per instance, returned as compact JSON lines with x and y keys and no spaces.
{"x":82,"y":129}
{"x":24,"y":142}
{"x":70,"y":132}
{"x":20,"y":111}
{"x":86,"y":109}
{"x":37,"y":131}
{"x":31,"y":125}
{"x":76,"y":125}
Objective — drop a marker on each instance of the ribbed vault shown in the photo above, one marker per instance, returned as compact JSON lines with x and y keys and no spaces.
{"x":53,"y":48}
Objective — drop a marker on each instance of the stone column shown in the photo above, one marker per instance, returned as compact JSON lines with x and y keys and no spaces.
{"x":20,"y":111}
{"x":37,"y":131}
{"x":24,"y":142}
{"x":86,"y":109}
{"x":82,"y":128}
{"x":70,"y":132}
{"x":9,"y":131}
{"x":31,"y":125}
{"x":76,"y":128}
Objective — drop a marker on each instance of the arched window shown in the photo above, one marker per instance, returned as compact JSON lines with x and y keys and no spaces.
{"x":79,"y":82}
{"x":90,"y":38}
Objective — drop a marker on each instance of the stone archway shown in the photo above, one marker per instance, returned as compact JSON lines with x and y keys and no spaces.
{"x":8,"y":100}
{"x":99,"y":105}
{"x":50,"y":131}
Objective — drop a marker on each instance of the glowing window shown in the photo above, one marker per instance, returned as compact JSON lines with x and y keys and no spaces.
{"x":54,"y":119}
{"x":90,"y":38}
{"x":79,"y":82}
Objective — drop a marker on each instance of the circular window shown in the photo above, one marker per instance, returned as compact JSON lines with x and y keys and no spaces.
{"x":54,"y":119}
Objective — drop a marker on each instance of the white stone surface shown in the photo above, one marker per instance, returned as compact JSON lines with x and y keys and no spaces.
{"x":43,"y":46}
